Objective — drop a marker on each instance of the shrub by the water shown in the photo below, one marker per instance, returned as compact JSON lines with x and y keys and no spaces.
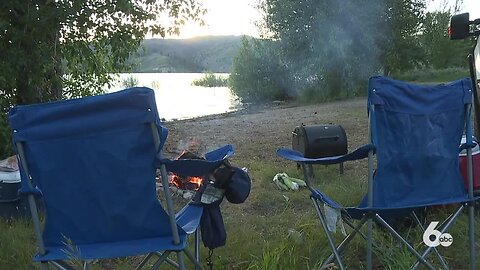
{"x":211,"y":80}
{"x":130,"y":81}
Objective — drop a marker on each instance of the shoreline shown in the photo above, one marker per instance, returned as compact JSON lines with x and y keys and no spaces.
{"x":244,"y":109}
{"x":257,"y":131}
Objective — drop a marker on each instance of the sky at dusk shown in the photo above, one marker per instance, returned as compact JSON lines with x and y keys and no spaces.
{"x":237,"y":17}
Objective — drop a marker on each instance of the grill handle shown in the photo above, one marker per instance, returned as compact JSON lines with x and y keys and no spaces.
{"x":335,"y":138}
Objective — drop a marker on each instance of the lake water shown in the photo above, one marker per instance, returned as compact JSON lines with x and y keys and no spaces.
{"x":177,"y":98}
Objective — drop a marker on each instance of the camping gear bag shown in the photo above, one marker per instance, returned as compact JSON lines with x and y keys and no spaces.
{"x":234,"y":184}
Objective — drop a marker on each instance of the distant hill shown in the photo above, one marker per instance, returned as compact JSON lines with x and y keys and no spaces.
{"x":200,"y":54}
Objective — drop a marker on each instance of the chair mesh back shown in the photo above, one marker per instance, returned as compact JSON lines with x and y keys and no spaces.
{"x":93,"y":160}
{"x":417,"y":131}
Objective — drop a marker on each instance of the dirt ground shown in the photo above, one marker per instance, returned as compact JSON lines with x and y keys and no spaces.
{"x":257,"y":132}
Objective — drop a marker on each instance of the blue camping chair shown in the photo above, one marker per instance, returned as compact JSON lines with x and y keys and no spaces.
{"x":415,"y":132}
{"x":93,"y":162}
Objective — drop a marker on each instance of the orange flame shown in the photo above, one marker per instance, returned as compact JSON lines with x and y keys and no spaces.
{"x":191,"y":182}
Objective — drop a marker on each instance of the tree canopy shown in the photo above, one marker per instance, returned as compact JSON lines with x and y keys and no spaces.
{"x":54,"y":49}
{"x":68,"y":48}
{"x":327,"y":49}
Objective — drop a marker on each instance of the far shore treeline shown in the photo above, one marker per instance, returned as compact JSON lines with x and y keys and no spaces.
{"x":308,"y":50}
{"x":319,"y":50}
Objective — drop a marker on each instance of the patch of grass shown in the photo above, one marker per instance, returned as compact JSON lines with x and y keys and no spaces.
{"x":211,"y":80}
{"x":270,"y":231}
{"x":17,"y":244}
{"x":433,"y":75}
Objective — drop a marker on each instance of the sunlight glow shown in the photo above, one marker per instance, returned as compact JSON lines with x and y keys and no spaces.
{"x":224,"y":17}
{"x":238,"y":17}
{"x":470,"y":6}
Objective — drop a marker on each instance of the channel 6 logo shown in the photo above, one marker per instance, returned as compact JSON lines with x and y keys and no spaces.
{"x":434,"y":238}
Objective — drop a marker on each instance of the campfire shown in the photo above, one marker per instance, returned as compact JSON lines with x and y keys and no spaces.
{"x":184,"y":186}
{"x":189,"y":182}
{"x":185,"y":183}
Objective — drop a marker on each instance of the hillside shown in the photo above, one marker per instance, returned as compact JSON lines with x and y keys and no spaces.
{"x":200,"y":54}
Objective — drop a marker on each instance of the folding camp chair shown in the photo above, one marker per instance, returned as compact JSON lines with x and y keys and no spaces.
{"x":415,"y":132}
{"x":93,"y":162}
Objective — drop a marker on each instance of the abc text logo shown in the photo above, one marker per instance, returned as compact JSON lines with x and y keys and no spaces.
{"x":434,"y":238}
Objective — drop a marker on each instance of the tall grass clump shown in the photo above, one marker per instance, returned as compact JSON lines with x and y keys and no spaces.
{"x":273,"y":258}
{"x":211,"y":80}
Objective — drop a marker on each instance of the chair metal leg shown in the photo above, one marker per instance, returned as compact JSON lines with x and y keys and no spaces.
{"x":167,"y":259}
{"x":172,"y":263}
{"x":344,"y":243}
{"x":144,"y":261}
{"x":33,"y":206}
{"x":369,"y":243}
{"x":359,"y":232}
{"x":370,"y":202}
{"x":471,"y":207}
{"x":197,"y":245}
{"x":400,"y":238}
{"x":471,"y":230}
{"x":160,"y":260}
{"x":442,"y":229}
{"x":192,"y":258}
{"x":439,"y":256}
{"x":327,"y":232}
{"x":181,"y":260}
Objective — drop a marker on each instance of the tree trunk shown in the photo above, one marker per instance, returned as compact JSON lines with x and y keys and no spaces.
{"x":39,"y":74}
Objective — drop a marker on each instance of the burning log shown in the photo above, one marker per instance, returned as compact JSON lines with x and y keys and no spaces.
{"x":186,"y":183}
{"x":183,"y":186}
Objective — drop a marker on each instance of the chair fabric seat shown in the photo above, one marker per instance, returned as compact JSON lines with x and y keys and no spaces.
{"x":188,"y":219}
{"x":112,"y":249}
{"x":362,"y":209}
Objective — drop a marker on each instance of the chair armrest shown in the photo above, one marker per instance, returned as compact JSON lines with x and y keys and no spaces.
{"x":189,"y":217}
{"x":198,"y":167}
{"x":466,"y":146}
{"x":359,"y":153}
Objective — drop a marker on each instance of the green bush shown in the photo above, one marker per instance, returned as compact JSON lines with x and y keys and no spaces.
{"x":129,"y":81}
{"x":211,"y":80}
{"x":257,"y":74}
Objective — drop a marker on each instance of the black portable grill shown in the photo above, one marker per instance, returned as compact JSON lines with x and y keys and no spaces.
{"x":318,"y":141}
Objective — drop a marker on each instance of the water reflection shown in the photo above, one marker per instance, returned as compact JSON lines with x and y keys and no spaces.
{"x":177,"y":98}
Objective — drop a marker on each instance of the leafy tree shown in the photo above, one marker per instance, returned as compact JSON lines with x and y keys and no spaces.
{"x":256,"y":72}
{"x":320,"y":46}
{"x":441,"y":52}
{"x":329,"y":48}
{"x":54,"y":49}
{"x":401,"y":28}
